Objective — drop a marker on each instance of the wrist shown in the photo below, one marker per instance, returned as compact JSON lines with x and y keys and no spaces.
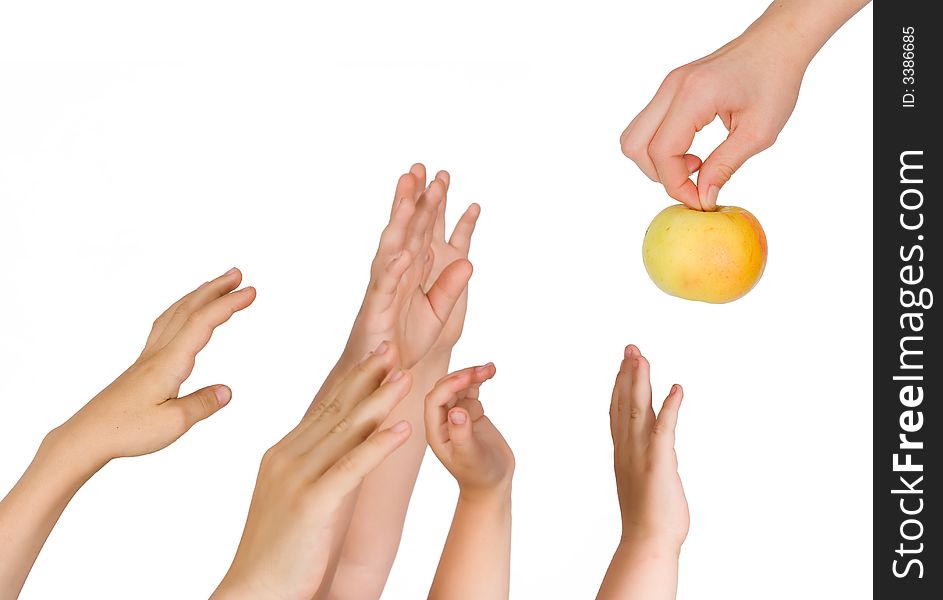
{"x":497,"y":498}
{"x":781,"y":41}
{"x":799,"y":28}
{"x":648,"y":549}
{"x":428,"y":371}
{"x":72,"y":458}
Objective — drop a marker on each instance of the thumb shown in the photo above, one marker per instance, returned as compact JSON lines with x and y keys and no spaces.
{"x":460,"y":431}
{"x":203,"y":403}
{"x":742,"y":143}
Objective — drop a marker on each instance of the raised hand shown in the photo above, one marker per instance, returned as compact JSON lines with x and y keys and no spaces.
{"x":417,"y":297}
{"x":139,"y":413}
{"x":654,"y":509}
{"x":475,"y":563}
{"x":305,"y":477}
{"x":464,"y":439}
{"x":418,"y":281}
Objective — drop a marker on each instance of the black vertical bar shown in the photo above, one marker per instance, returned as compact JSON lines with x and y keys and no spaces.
{"x":907,"y":368}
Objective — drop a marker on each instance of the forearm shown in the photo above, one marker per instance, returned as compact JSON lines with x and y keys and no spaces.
{"x":803,"y":26}
{"x":376,"y":524}
{"x":640,"y":571}
{"x":32,"y":508}
{"x":476,"y":559}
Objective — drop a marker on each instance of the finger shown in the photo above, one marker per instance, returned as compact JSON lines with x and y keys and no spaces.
{"x":448,"y":288}
{"x":359,"y":383}
{"x":445,"y":394}
{"x":195,"y":334}
{"x":686,"y":116}
{"x":444,"y":178}
{"x":393,"y":238}
{"x":618,"y":405}
{"x":419,"y":172}
{"x":460,"y":432}
{"x":170,"y":321}
{"x":663,"y":433}
{"x":638,"y":135}
{"x":327,"y":444}
{"x":200,"y":404}
{"x":436,"y":195}
{"x":462,"y":234}
{"x":349,"y":471}
{"x":692,"y":162}
{"x":420,"y":228}
{"x":160,"y":323}
{"x":383,"y":287}
{"x":744,"y":141}
{"x":405,"y":188}
{"x":472,"y":406}
{"x":635,"y":395}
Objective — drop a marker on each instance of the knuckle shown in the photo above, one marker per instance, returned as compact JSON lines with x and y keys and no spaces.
{"x":184,"y":309}
{"x":635,"y":413}
{"x":660,"y":429}
{"x":634,"y":149}
{"x":675,"y":77}
{"x":342,"y":426}
{"x":696,"y":80}
{"x":180,"y":416}
{"x":277,"y":461}
{"x":345,"y":464}
{"x":208,"y":402}
{"x":725,"y":170}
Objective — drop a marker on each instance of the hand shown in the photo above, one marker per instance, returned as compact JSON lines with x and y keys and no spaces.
{"x":476,"y":559}
{"x":418,"y":283}
{"x":752,"y":83}
{"x":444,"y":253}
{"x":463,"y":438}
{"x":137,"y":414}
{"x":654,"y":509}
{"x":417,"y":298}
{"x":140,"y":412}
{"x":306,"y":476}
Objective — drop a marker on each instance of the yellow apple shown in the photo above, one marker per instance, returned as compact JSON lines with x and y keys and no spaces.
{"x":711,"y":256}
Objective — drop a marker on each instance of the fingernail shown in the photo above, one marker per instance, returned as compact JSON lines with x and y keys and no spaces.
{"x":382,"y":348}
{"x":396,"y":376}
{"x":400,"y":427}
{"x":628,"y":350}
{"x":457,"y":417}
{"x":229,"y":272}
{"x":223,"y":395}
{"x":712,"y":192}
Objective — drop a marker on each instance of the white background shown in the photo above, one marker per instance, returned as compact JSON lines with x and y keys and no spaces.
{"x":145,"y":149}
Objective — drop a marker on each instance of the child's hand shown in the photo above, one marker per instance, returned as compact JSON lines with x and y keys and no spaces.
{"x":464,"y":439}
{"x":140,"y":412}
{"x":654,"y":509}
{"x":305,"y":478}
{"x":418,"y":280}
